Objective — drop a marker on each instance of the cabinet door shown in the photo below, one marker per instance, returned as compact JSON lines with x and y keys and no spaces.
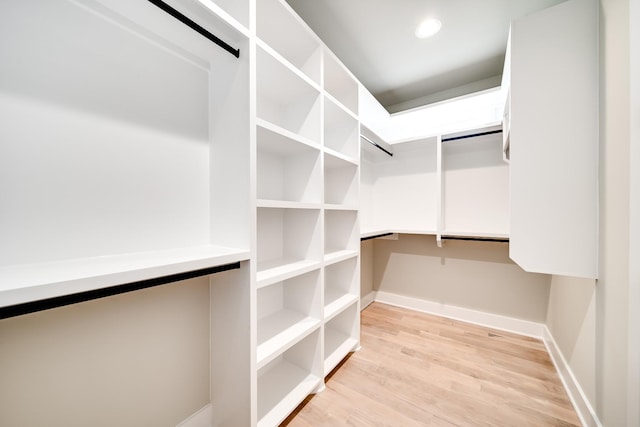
{"x":554,"y":140}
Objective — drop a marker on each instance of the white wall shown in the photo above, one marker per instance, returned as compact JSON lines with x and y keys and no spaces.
{"x":135,"y":359}
{"x":571,"y":319}
{"x":366,"y":268}
{"x":612,"y":291}
{"x":634,"y":233}
{"x":474,"y":275}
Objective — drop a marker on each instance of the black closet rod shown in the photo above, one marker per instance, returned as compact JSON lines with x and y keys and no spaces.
{"x":191,"y":24}
{"x":454,"y":138}
{"x":476,"y":239}
{"x":375,"y":144}
{"x":61,"y":301}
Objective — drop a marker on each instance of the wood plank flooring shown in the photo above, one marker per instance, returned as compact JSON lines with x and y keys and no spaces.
{"x":416,"y":369}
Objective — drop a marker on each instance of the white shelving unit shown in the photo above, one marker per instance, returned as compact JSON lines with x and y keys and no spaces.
{"x":306,"y":209}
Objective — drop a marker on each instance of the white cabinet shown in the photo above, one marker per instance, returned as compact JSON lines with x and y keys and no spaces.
{"x":554,"y":140}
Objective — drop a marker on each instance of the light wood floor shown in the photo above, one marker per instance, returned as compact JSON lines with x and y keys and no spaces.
{"x":416,"y":369}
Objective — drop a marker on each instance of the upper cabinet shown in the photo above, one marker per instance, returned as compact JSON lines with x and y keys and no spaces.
{"x":554,"y":140}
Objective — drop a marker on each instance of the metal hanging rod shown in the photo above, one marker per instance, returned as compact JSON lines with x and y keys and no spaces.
{"x":61,"y":301}
{"x":191,"y":24}
{"x":473,"y":135}
{"x":362,"y":239}
{"x":476,"y":239}
{"x":375,"y":144}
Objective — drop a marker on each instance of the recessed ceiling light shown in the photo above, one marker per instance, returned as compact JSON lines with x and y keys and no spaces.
{"x":428,"y":28}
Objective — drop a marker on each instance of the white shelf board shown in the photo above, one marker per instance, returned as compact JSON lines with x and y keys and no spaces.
{"x":336,"y":302}
{"x":335,"y":207}
{"x":31,"y":282}
{"x":280,"y":390}
{"x":273,"y":271}
{"x":265,"y":203}
{"x":265,"y":124}
{"x":340,"y":159}
{"x":333,"y":256}
{"x":336,"y":346}
{"x":281,"y":330}
{"x":285,"y":62}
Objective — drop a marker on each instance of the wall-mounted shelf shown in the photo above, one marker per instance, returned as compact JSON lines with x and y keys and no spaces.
{"x":32,"y":282}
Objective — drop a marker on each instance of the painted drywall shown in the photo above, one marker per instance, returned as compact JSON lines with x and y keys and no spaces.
{"x":634,"y":233}
{"x":612,"y":291}
{"x":135,"y":359}
{"x":571,"y":320}
{"x":474,"y":275}
{"x":366,"y":268}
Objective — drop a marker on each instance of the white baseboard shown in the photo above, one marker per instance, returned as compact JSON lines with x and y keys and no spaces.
{"x":495,"y":321}
{"x":579,"y":400}
{"x":367,"y":299}
{"x":202,"y":418}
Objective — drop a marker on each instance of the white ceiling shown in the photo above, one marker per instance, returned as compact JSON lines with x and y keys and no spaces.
{"x":375,"y":40}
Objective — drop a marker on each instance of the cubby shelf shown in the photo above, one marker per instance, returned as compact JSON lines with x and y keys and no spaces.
{"x":284,"y":382}
{"x":340,"y":286}
{"x":30,"y":282}
{"x":336,"y":302}
{"x":341,"y":232}
{"x":287,"y":170}
{"x":340,"y":337}
{"x":279,"y":331}
{"x":340,"y":181}
{"x":339,"y":255}
{"x":285,"y":99}
{"x":290,"y":37}
{"x":339,"y":83}
{"x":283,"y":268}
{"x":341,"y":130}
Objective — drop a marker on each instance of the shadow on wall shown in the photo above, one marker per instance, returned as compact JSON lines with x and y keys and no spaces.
{"x":473,"y":275}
